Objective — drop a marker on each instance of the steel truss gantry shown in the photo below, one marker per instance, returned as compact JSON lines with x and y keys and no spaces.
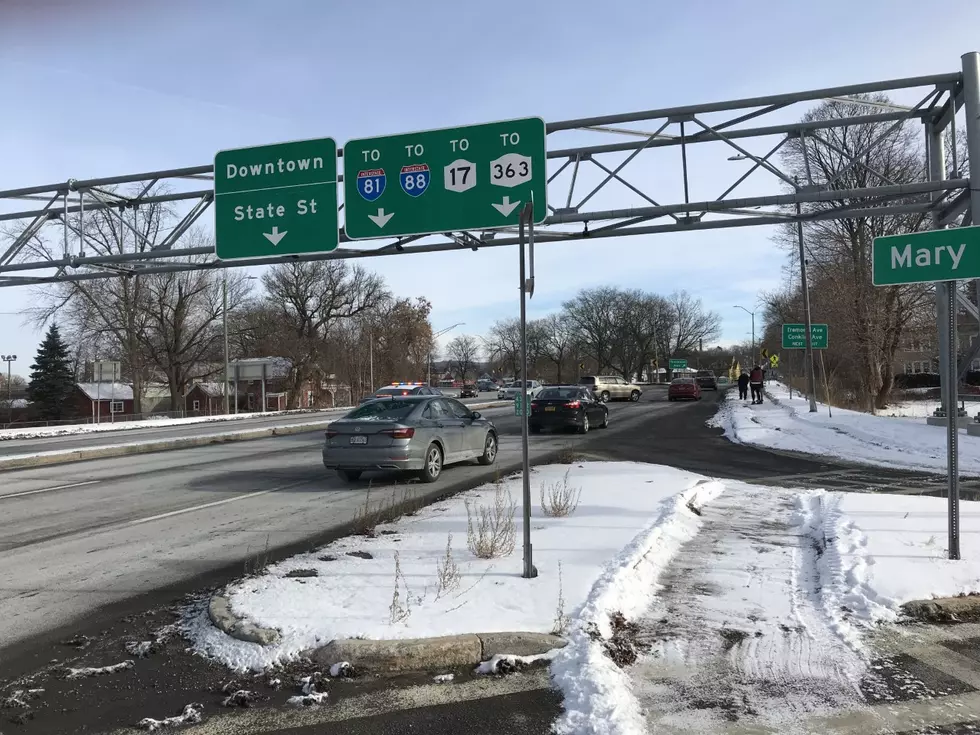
{"x":619,"y":170}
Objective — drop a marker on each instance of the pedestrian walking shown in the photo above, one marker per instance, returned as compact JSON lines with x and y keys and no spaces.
{"x":755,"y":382}
{"x":743,"y":386}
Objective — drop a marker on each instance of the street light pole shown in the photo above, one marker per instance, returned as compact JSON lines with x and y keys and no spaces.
{"x":811,"y":383}
{"x":429,"y":355}
{"x":751,"y":314}
{"x":9,"y":359}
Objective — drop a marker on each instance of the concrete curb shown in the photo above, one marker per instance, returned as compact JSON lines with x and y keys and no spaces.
{"x":964,"y":609}
{"x":164,"y":445}
{"x":395,"y":656}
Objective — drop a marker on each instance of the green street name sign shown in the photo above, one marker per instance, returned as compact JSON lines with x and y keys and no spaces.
{"x":677,"y":364}
{"x":794,"y":336}
{"x":924,"y":257}
{"x":276,"y":200}
{"x":477,"y":177}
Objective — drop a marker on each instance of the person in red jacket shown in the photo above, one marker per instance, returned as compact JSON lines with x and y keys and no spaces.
{"x":755,"y":381}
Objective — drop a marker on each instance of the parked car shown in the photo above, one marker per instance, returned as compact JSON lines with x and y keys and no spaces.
{"x":611,"y":388}
{"x":486,"y":385}
{"x":684,"y":389}
{"x":502,"y":391}
{"x":706,"y":380}
{"x":567,"y":407}
{"x":511,"y":391}
{"x":419,"y":434}
{"x":469,"y":391}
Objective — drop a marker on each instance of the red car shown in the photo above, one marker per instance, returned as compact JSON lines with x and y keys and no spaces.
{"x":684,"y":389}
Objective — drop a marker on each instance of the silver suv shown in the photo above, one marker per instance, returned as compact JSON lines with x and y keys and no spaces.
{"x":611,"y":388}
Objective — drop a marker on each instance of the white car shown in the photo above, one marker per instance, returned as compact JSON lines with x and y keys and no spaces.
{"x":509,"y":393}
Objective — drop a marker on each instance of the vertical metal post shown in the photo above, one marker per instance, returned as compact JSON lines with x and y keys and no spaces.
{"x":236,"y":388}
{"x":263,"y":389}
{"x":527,"y":217}
{"x":952,"y":429}
{"x":372,"y":387}
{"x":811,"y":382}
{"x":81,"y":224}
{"x":224,"y":319}
{"x":64,"y":226}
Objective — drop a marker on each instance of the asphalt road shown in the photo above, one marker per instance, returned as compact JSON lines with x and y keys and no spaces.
{"x":13,"y":447}
{"x":113,"y":535}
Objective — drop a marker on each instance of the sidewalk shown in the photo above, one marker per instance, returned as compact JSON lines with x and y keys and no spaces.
{"x":737,"y":635}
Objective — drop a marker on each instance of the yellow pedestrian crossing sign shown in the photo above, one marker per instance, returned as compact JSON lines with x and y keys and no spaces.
{"x":774,"y":361}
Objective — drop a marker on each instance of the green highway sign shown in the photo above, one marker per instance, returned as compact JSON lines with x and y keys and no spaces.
{"x":276,"y":200}
{"x":794,"y":336}
{"x":477,"y":177}
{"x":677,"y":364}
{"x":924,"y":257}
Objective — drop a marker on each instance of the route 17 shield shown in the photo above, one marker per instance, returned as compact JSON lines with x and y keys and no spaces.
{"x":371,"y":183}
{"x":415,"y":179}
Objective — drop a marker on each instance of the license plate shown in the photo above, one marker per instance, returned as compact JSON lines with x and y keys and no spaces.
{"x":358,"y":440}
{"x":549,"y":408}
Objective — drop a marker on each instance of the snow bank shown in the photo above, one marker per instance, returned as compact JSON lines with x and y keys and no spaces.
{"x":881,"y":551}
{"x":598,"y":696}
{"x":786,"y":424}
{"x":396,"y":584}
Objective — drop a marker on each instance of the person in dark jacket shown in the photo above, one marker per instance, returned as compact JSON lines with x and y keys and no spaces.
{"x":755,"y":381}
{"x":743,"y":386}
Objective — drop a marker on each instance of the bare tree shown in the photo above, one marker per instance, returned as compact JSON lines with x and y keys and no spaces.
{"x":839,"y":250}
{"x":310,"y":297}
{"x":183,"y":311}
{"x":463,"y":352}
{"x":592,"y":314}
{"x":503,"y":345}
{"x":558,"y":340}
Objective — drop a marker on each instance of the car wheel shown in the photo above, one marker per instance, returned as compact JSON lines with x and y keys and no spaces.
{"x":605,"y":421}
{"x":349,"y":475}
{"x":604,"y":396}
{"x":635,"y":396}
{"x":584,"y":428}
{"x":433,"y":464}
{"x":534,"y":428}
{"x":489,"y":449}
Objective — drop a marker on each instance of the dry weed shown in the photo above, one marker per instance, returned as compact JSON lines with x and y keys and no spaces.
{"x":493,"y":533}
{"x":559,"y":499}
{"x":447,"y":571}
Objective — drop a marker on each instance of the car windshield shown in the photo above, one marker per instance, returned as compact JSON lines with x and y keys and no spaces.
{"x":385,"y":409}
{"x":566,"y":394}
{"x":705,"y":374}
{"x":394,"y":391}
{"x":681,"y":381}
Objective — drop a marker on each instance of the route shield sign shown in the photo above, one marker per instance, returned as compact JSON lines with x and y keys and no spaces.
{"x":794,"y":336}
{"x":276,"y":200}
{"x":476,"y":177}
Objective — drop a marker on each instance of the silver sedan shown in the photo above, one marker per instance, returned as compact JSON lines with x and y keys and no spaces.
{"x":416,"y":433}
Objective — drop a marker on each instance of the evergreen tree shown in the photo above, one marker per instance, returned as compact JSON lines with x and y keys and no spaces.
{"x":52,"y":379}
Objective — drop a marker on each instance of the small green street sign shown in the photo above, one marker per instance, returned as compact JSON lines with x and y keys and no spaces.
{"x":677,"y":364}
{"x":518,"y":400}
{"x":276,"y":199}
{"x":471,"y":178}
{"x":794,"y":336}
{"x":924,"y":257}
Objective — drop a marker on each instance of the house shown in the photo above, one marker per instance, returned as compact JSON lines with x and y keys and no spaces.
{"x":208,"y":399}
{"x":269,"y":382}
{"x":103,"y":401}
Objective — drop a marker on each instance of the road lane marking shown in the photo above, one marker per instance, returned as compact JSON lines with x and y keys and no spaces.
{"x":214,"y":503}
{"x":47,"y":489}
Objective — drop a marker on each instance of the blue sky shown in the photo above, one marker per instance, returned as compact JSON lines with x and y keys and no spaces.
{"x":104,"y":88}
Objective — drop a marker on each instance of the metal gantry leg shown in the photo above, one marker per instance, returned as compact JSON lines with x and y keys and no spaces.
{"x":527,"y":218}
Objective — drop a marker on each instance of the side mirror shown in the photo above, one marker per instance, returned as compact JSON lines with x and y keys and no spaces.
{"x":477,"y":415}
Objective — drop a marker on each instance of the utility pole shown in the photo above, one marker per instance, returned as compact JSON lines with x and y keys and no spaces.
{"x":9,"y":359}
{"x":435,"y":337}
{"x":811,"y":383}
{"x":527,"y":288}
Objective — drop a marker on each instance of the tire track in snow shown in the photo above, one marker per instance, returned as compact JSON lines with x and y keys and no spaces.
{"x":738,"y":633}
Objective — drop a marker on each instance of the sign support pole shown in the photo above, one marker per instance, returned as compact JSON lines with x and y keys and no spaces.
{"x":811,"y":383}
{"x":527,"y":287}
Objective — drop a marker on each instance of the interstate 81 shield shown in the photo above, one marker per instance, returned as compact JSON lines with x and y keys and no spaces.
{"x":371,"y":183}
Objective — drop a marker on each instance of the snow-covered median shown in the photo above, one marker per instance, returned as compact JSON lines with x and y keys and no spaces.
{"x":39,"y":432}
{"x":421,"y":576}
{"x":786,"y":424}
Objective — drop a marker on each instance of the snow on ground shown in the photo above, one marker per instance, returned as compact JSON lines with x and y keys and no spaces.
{"x":397,"y":585}
{"x":911,"y":409}
{"x":885,"y":550}
{"x":105,"y":425}
{"x":784,"y":423}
